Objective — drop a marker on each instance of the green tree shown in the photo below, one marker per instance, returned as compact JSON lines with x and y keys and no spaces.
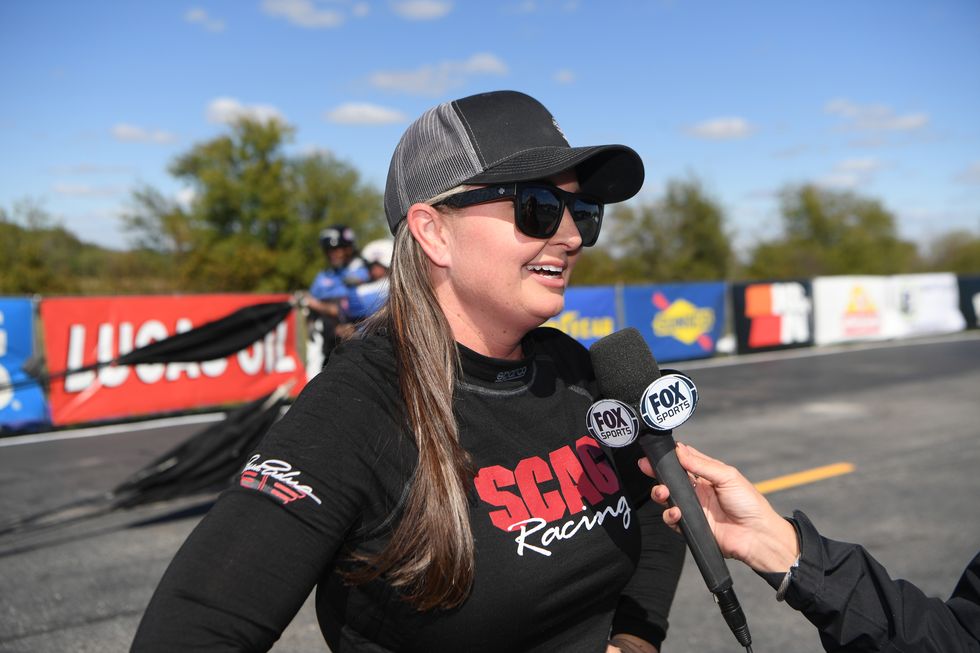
{"x":957,"y":251}
{"x":680,"y":237}
{"x":328,"y":191}
{"x":829,"y":232}
{"x":253,"y":222}
{"x":38,"y":254}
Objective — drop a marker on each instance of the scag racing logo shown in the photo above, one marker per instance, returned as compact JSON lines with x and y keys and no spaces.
{"x":669,"y":401}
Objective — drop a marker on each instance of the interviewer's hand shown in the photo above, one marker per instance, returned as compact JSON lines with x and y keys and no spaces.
{"x":622,"y":643}
{"x":744,"y":524}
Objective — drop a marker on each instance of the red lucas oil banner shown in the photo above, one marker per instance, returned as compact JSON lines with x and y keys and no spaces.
{"x":81,"y":331}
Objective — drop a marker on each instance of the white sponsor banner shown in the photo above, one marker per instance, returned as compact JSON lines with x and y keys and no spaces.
{"x":925,"y":304}
{"x":848,"y":308}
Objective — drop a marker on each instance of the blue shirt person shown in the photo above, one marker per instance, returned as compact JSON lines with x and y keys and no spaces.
{"x":328,"y":296}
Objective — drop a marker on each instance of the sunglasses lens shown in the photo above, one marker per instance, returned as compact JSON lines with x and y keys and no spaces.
{"x":588,"y":218}
{"x":539,"y":212}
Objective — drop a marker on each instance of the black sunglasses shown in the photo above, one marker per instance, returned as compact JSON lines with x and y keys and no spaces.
{"x":538,"y":208}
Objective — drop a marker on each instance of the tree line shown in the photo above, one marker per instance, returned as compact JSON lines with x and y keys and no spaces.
{"x":256,"y":212}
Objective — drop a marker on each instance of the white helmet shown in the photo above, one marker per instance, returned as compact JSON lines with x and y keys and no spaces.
{"x":378,"y":251}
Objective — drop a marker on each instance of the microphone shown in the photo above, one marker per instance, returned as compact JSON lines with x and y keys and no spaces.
{"x":628,"y":378}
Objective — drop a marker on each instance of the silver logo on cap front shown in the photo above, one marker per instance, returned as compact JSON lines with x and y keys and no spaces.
{"x":558,"y":127}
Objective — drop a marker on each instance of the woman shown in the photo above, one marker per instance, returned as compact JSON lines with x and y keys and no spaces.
{"x":435,"y":482}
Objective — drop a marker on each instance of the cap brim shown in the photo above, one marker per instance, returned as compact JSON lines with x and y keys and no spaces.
{"x":611,"y":173}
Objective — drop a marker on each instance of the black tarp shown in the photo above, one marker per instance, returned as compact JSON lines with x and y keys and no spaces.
{"x":205,"y":463}
{"x":217,"y":339}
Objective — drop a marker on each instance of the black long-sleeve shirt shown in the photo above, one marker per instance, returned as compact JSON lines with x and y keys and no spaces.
{"x":849,"y":596}
{"x":568,"y":547}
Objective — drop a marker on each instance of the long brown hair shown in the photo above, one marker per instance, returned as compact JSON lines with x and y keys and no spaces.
{"x":430,"y":555}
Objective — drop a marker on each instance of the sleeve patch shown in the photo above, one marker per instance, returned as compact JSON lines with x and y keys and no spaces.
{"x":277,"y":478}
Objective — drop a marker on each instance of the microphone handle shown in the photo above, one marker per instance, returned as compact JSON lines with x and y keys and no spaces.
{"x":660,"y":451}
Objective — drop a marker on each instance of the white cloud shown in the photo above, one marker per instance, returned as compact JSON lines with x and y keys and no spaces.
{"x":92,"y":169}
{"x":422,"y":9}
{"x":544,"y":6}
{"x":970,"y":175}
{"x":761,"y":194}
{"x":869,"y":140}
{"x":316,"y":151}
{"x":200,"y":17}
{"x":791,"y":152}
{"x":841,"y":181}
{"x":229,"y":110}
{"x":133,"y":134}
{"x":718,"y":129}
{"x":851,"y":174}
{"x":859,"y":166}
{"x":304,"y":13}
{"x":361,"y":113}
{"x":185,"y":197}
{"x":564,"y":76}
{"x":360,"y":9}
{"x":875,"y":117}
{"x":85,"y":190}
{"x":437,"y":79}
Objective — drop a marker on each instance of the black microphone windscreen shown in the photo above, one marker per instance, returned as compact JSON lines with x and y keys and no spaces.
{"x":624,"y":365}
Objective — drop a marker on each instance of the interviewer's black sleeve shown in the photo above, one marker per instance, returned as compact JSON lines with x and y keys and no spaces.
{"x":849,"y":596}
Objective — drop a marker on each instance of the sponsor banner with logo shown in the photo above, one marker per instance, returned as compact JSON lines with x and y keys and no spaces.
{"x":970,"y":300}
{"x":772,"y":315}
{"x":679,"y":321}
{"x":924,"y":304}
{"x":849,"y":308}
{"x":590,"y":313}
{"x":83,"y":331}
{"x":22,"y":401}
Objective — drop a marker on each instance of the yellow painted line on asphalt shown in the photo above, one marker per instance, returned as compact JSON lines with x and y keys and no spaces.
{"x":804,"y":477}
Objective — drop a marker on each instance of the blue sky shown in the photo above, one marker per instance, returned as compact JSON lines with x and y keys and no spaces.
{"x":881,"y":97}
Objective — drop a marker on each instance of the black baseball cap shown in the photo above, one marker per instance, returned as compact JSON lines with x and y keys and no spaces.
{"x":499,"y":137}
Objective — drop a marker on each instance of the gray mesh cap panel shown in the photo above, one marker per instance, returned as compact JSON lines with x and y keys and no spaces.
{"x":434,"y":155}
{"x":498,"y":137}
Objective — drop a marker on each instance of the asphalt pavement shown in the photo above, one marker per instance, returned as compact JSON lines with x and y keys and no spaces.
{"x":905,"y":415}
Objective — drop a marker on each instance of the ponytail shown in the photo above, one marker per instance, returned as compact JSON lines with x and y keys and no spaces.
{"x":430,"y":556}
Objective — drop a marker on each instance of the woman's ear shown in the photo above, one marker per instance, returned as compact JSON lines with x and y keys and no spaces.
{"x":428,"y":227}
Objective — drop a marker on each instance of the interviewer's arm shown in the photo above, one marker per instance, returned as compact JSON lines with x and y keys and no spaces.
{"x":743,"y":522}
{"x":839,"y":587}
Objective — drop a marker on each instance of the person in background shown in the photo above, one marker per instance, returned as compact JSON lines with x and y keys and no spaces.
{"x":436,"y":481}
{"x":839,"y":587}
{"x":365,"y":299}
{"x":328,"y":296}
